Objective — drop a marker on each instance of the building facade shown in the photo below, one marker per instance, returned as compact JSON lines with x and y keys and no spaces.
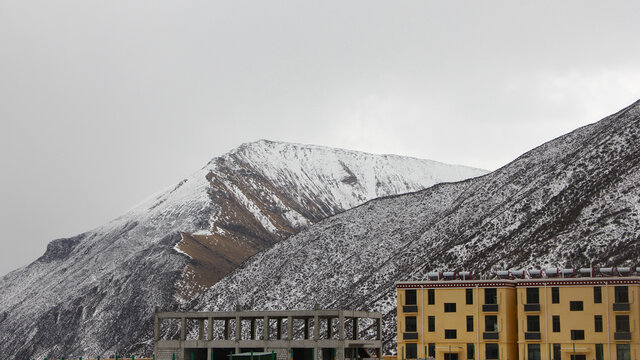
{"x":457,"y":320}
{"x":578,"y":318}
{"x":554,"y":318}
{"x":286,"y":335}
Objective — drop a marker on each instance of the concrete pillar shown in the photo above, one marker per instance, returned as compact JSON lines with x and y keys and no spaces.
{"x":183,"y":329}
{"x":341,"y":348}
{"x":210,"y":331}
{"x":265,"y":330}
{"x":329,"y":328}
{"x":289,"y":328}
{"x":227,"y":330}
{"x":156,"y":328}
{"x":238,"y":328}
{"x":379,"y":330}
{"x":306,"y":328}
{"x":341,"y":329}
{"x":279,"y":329}
{"x":355,"y":328}
{"x":200,"y":329}
{"x":252,"y":336}
{"x":316,"y":328}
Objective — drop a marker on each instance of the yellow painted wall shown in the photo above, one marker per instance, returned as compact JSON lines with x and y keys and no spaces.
{"x":579,"y":320}
{"x":507,"y":325}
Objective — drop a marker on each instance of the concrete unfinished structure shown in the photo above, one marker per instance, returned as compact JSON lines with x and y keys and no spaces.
{"x":308,"y":334}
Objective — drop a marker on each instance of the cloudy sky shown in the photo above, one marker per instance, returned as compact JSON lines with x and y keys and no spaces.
{"x":104,"y":102}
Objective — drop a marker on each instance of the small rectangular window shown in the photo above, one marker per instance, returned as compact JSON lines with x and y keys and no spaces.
{"x":449,"y":307}
{"x":410,"y":324}
{"x":450,"y":334}
{"x":621,"y":294}
{"x":622,"y":323}
{"x":469,"y":296}
{"x":533,"y":351}
{"x":555,"y":295}
{"x":431,"y":296}
{"x":575,"y":306}
{"x":555,"y":320}
{"x":598,"y":323}
{"x":597,"y":295}
{"x":533,"y":295}
{"x":533,"y":323}
{"x":431,"y":323}
{"x":469,"y":322}
{"x":470,"y":351}
{"x":599,"y":352}
{"x":490,"y":296}
{"x":577,"y":334}
{"x":412,"y":351}
{"x":432,"y":350}
{"x":410,"y":297}
{"x":491,"y":351}
{"x":491,"y":323}
{"x":557,"y":353}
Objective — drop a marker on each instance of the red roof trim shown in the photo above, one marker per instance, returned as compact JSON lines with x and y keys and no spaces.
{"x":455,"y":284}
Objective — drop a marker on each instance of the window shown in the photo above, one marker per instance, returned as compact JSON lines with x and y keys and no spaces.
{"x":621,"y":294}
{"x":599,"y":352}
{"x":431,"y":323}
{"x":470,"y":351}
{"x":431,"y":296}
{"x":622,"y":351}
{"x":450,"y":334}
{"x":432,"y":350}
{"x":469,"y":323}
{"x":533,"y":351}
{"x":622,"y":323}
{"x":490,"y":296}
{"x":410,"y":324}
{"x":555,"y":295}
{"x":449,"y":307}
{"x":491,"y":323}
{"x":469,"y":296}
{"x":575,"y":306}
{"x":410,"y":297}
{"x":577,"y":334}
{"x":555,"y":320}
{"x":533,"y":323}
{"x":533,"y":296}
{"x":491,"y":351}
{"x":597,"y":323}
{"x":597,"y":295}
{"x":412,"y":351}
{"x":557,"y":353}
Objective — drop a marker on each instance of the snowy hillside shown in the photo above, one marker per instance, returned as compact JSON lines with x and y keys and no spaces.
{"x":572,"y":202}
{"x":94,"y":293}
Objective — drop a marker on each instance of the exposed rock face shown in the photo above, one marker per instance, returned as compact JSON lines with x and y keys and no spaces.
{"x":572,"y":202}
{"x":94,"y":294}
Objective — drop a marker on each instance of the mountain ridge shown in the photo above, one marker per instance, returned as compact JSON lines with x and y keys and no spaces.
{"x":570,"y":202}
{"x":94,"y":292}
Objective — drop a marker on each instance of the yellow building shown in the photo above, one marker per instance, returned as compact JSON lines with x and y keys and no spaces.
{"x":457,"y":320}
{"x":558,"y":317}
{"x":590,"y":318}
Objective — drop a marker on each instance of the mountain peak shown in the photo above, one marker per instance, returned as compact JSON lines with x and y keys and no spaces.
{"x":177,"y":244}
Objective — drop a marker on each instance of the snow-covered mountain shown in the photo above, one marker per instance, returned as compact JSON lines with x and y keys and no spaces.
{"x":572,"y":202}
{"x":93,"y":294}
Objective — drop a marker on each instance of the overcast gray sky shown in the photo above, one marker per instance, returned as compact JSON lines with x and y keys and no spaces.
{"x":103,"y":103}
